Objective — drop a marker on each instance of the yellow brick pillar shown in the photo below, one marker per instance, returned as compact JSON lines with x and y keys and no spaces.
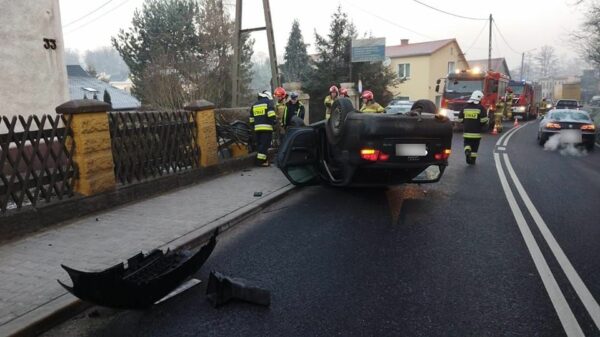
{"x":206,"y":131}
{"x":93,"y":153}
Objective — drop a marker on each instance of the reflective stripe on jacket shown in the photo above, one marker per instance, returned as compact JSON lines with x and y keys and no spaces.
{"x":262,"y":115}
{"x":474,"y":117}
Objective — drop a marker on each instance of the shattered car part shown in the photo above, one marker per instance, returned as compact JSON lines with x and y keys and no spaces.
{"x":221,"y":289}
{"x":145,"y":280}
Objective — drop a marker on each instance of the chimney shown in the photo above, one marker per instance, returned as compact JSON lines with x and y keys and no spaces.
{"x":404,"y":42}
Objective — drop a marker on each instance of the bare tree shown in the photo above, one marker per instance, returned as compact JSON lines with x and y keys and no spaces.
{"x":588,"y":36}
{"x":547,"y":61}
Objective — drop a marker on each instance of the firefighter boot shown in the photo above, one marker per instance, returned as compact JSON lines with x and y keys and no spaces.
{"x":468,"y":155}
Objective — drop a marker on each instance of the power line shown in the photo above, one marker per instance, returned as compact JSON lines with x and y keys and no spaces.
{"x":388,"y":21}
{"x":97,"y":18}
{"x":88,"y":14}
{"x":476,"y":39}
{"x":502,"y":36}
{"x":448,"y":13}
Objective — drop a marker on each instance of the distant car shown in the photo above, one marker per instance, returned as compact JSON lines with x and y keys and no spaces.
{"x":567,"y":104}
{"x":573,"y":126}
{"x":595,"y":101}
{"x":398,"y":107}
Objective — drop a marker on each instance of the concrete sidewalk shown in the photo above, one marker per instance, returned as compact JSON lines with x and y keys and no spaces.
{"x":30,"y":266}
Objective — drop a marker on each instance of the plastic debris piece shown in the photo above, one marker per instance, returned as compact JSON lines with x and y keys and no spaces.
{"x":221,"y":289}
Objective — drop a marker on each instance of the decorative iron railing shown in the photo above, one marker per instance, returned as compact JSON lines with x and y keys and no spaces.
{"x":146,"y":145}
{"x":35,"y":160}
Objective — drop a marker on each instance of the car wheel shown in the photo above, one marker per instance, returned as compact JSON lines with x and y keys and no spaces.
{"x":541,"y":139}
{"x":335,"y":125}
{"x":590,"y":146}
{"x":424,"y":105}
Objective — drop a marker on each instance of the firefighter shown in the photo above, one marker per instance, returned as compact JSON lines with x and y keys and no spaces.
{"x":263,"y":118}
{"x":542,"y":108}
{"x":344,"y":92}
{"x":369,"y":105}
{"x":333,"y":95}
{"x":474,"y":118}
{"x":280,"y":106}
{"x":294,"y":108}
{"x":509,"y":102}
{"x":499,"y":114}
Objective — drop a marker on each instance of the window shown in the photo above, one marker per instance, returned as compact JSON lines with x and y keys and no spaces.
{"x":404,"y":70}
{"x":451,"y":67}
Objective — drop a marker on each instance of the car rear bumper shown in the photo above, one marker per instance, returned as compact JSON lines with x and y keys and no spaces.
{"x":586,"y":137}
{"x":388,"y":174}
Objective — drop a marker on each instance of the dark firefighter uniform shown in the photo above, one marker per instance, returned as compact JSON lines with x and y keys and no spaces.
{"x":474,"y":118}
{"x":263,"y":118}
{"x":292,"y":109}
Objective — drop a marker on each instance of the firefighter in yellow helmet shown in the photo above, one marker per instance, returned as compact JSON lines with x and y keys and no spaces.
{"x":333,"y":95}
{"x":369,"y":105}
{"x":262,"y":119}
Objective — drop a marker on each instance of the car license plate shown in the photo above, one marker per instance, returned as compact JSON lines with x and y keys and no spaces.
{"x":570,"y":136}
{"x":411,"y":150}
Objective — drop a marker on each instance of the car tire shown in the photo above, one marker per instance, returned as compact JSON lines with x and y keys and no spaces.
{"x":541,"y":139}
{"x":334,"y":126}
{"x":590,"y":146}
{"x":425,"y":105}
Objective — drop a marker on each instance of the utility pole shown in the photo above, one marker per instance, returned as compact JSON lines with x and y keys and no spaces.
{"x":237,"y":55}
{"x":522,"y":63}
{"x":490,"y":47}
{"x":237,"y":58}
{"x":271,"y":41}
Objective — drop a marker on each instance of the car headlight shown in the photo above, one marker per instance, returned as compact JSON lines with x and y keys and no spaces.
{"x":444,"y":112}
{"x":548,"y":106}
{"x":519,"y":109}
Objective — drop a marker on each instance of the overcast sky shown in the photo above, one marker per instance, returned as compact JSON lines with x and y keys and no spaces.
{"x":525,"y":24}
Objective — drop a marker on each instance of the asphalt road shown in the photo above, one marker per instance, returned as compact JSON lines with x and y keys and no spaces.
{"x":447,"y":259}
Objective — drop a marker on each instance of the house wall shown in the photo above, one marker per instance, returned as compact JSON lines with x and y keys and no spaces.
{"x":34,"y":79}
{"x":416,"y":86}
{"x":425,"y":70}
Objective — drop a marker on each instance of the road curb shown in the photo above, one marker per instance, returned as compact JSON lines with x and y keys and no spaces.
{"x":66,"y":306}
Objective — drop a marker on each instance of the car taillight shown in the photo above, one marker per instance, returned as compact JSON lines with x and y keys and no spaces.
{"x":443,"y":155}
{"x":374,"y":155}
{"x":552,"y":126}
{"x":588,"y":127}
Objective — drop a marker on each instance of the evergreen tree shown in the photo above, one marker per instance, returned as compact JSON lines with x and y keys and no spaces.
{"x":296,"y":67}
{"x":162,"y":50}
{"x":334,"y":65}
{"x":180,"y":50}
{"x":107,"y":97}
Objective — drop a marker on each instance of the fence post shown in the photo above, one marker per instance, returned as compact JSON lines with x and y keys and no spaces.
{"x":93,"y":152}
{"x":206,"y":131}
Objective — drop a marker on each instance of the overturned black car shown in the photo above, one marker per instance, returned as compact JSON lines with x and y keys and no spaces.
{"x":368,"y":149}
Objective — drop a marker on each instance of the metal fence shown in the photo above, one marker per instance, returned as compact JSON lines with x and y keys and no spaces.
{"x":35,"y":160}
{"x":146,"y":145}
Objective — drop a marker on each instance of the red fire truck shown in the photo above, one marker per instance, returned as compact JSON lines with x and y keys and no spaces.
{"x":524,"y":99}
{"x":459,"y":86}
